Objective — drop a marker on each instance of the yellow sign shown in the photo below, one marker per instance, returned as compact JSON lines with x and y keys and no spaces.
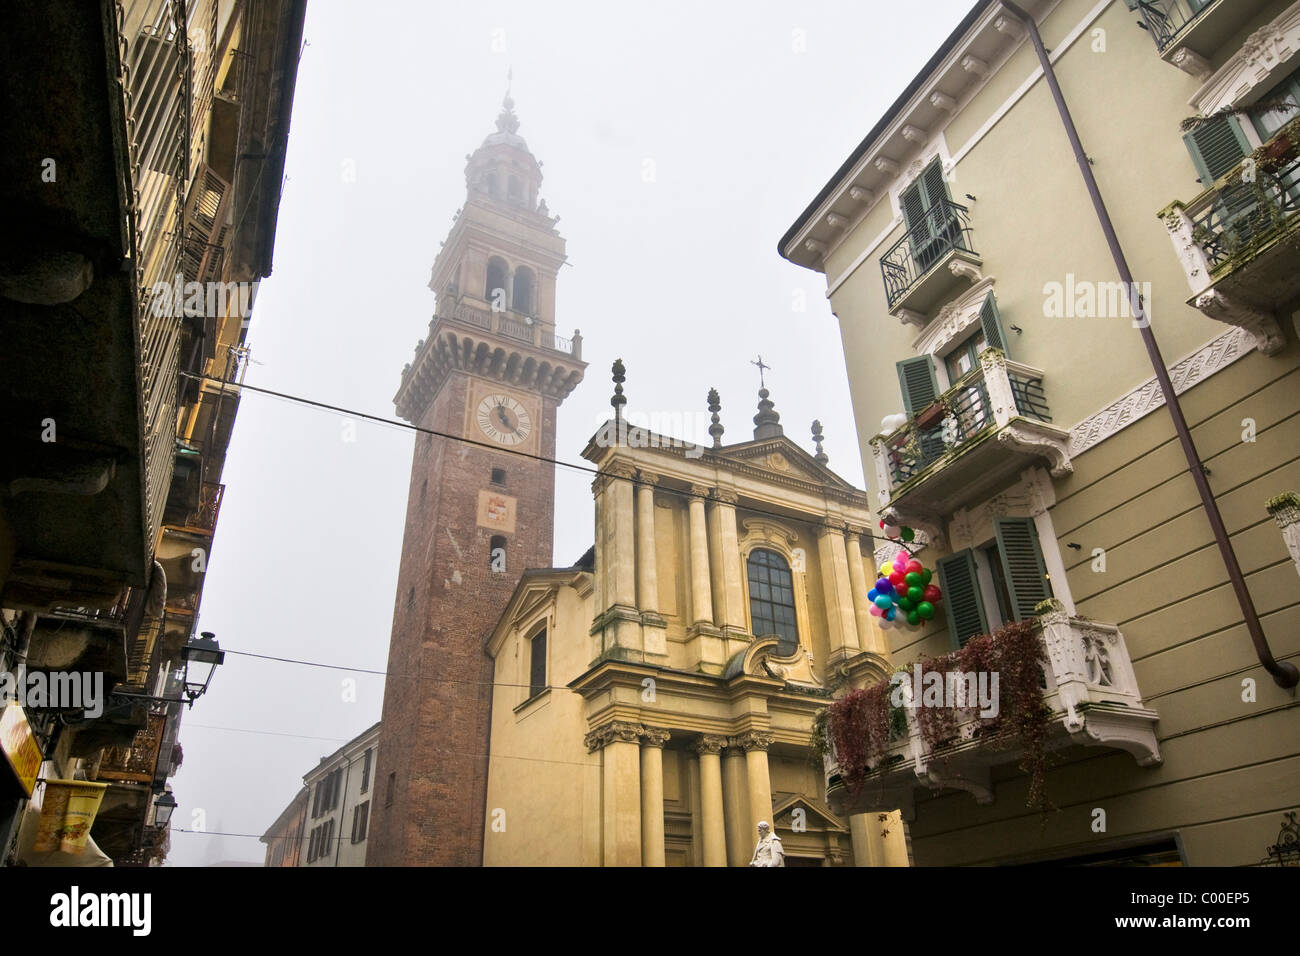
{"x":20,"y":747}
{"x":67,"y":814}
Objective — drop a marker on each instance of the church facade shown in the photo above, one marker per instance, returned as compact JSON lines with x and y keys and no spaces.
{"x":654,"y":704}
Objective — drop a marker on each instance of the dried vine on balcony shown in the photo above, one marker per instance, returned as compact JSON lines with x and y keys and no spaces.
{"x":861,"y":725}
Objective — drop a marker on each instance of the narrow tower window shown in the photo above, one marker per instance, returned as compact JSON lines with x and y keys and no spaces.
{"x":495,"y":289}
{"x":522,"y":300}
{"x":497,"y":553}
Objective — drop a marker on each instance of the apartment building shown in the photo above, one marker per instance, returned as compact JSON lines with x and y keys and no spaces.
{"x":1009,"y":412}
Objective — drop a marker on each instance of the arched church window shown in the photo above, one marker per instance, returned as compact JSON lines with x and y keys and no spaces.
{"x":771,"y":599}
{"x":524,"y":287}
{"x":495,"y":288}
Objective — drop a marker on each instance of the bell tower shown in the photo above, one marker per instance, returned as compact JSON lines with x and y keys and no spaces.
{"x":491,"y":373}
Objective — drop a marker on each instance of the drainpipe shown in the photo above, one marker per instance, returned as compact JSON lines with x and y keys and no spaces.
{"x":1285,"y":674}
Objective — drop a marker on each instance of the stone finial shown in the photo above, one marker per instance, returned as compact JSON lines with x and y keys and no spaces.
{"x":619,"y":399}
{"x":715,"y":406}
{"x":767,"y":423}
{"x":821,"y":456}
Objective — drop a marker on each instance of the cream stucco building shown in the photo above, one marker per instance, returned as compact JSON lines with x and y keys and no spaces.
{"x":1007,"y":408}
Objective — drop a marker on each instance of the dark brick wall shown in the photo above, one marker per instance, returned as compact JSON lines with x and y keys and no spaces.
{"x":438,"y":693}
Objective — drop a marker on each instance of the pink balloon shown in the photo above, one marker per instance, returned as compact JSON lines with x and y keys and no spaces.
{"x":875,"y":611}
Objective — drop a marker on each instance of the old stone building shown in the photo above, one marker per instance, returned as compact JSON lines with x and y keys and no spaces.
{"x":493,"y":372}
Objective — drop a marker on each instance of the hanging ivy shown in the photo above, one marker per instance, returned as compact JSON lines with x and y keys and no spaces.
{"x":862,"y":724}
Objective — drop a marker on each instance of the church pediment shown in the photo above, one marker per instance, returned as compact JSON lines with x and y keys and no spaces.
{"x":815,"y":815}
{"x":781,"y":456}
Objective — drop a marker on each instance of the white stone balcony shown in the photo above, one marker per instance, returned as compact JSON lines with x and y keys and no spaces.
{"x":1237,"y":239}
{"x":1089,"y":688}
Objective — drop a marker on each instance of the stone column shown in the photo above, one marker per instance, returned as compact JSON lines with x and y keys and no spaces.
{"x":620,"y":791}
{"x":878,"y":842}
{"x":735,"y":796}
{"x":841,"y":620}
{"x":729,"y":596}
{"x":714,"y":835}
{"x":647,"y":576}
{"x":652,"y":795}
{"x":619,"y":497}
{"x":867,"y":634}
{"x":701,"y":592}
{"x":755,"y":744}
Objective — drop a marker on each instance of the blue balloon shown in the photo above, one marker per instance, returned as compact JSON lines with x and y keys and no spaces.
{"x":890,"y":614}
{"x":884,"y":587}
{"x":872,"y":595}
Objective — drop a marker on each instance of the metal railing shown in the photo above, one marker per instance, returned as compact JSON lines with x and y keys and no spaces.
{"x":944,"y":226}
{"x":1241,"y":214}
{"x":514,"y":325}
{"x":961,"y":414}
{"x":1166,"y":19}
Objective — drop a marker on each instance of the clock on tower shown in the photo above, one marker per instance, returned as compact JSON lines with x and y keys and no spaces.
{"x":492,"y":373}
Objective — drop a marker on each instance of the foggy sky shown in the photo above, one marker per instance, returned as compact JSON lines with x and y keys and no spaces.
{"x":679,"y":277}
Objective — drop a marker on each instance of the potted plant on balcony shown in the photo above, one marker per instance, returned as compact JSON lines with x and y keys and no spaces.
{"x":932,"y":415}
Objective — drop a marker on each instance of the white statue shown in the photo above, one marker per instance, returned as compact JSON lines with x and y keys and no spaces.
{"x":769,"y":851}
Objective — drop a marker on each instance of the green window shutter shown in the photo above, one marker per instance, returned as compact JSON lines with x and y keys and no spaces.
{"x":991,"y":322}
{"x":913,"y":203}
{"x":936,"y":188}
{"x":962,"y":601}
{"x":920,"y":387}
{"x":1217,"y":145}
{"x":1022,"y":563}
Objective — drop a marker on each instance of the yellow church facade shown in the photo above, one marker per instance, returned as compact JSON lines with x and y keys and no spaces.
{"x":655,"y":702}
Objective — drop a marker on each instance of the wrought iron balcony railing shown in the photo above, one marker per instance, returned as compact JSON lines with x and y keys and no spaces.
{"x":514,"y":325}
{"x":943,"y":228}
{"x":1240,"y":214}
{"x":1166,"y":19}
{"x":961,"y":415}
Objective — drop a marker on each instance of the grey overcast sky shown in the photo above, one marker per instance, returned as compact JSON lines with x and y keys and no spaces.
{"x":745,"y":110}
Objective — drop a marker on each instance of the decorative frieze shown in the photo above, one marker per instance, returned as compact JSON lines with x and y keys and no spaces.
{"x":1214,"y":356}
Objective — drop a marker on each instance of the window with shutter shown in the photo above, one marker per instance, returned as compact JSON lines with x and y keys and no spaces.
{"x":991,"y":323}
{"x":365,"y":769}
{"x":1216,"y":146}
{"x":963,"y":604}
{"x":1022,"y":565}
{"x":920,"y":387}
{"x":931,"y":225}
{"x":537,"y":665}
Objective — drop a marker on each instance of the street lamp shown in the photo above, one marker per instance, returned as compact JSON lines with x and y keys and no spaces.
{"x":162,"y":809}
{"x":201,"y":658}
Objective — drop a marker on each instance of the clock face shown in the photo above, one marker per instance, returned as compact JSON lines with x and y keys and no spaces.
{"x":504,"y":420}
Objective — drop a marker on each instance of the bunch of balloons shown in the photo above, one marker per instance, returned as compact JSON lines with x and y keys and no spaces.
{"x":903,"y":593}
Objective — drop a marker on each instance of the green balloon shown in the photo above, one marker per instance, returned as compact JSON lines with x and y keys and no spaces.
{"x":913,"y":617}
{"x":915,"y":594}
{"x":913,"y":578}
{"x":884,"y":602}
{"x":908,"y":534}
{"x":906,"y":603}
{"x":925,"y":609}
{"x":926,"y":574}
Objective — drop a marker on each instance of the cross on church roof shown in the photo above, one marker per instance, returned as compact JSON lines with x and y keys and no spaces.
{"x":761,"y":367}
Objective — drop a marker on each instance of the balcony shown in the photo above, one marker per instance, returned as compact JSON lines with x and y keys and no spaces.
{"x":991,"y":425}
{"x":933,"y":256}
{"x":1092,"y":697}
{"x":549,"y":363}
{"x":1236,"y":239}
{"x":1188,"y":33}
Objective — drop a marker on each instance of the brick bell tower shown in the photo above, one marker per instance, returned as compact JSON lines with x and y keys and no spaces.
{"x":479,"y":511}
